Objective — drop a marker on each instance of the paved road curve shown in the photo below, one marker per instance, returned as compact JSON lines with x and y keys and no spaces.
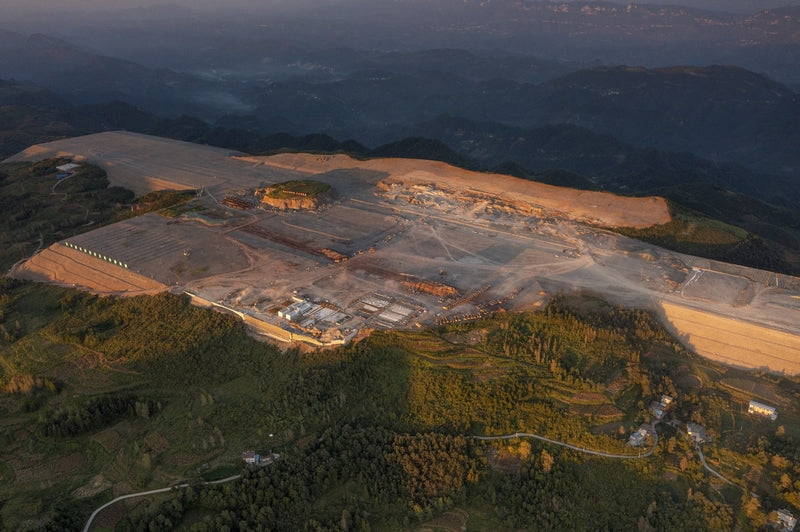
{"x":573,"y":447}
{"x":151,"y":492}
{"x":601,"y":453}
{"x":708,"y":467}
{"x":485,"y":438}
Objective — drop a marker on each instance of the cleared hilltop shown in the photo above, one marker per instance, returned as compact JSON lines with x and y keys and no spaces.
{"x":601,"y":208}
{"x":402,"y":243}
{"x":144,"y":163}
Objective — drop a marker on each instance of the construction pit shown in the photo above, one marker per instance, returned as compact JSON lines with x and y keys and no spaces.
{"x":401,"y":243}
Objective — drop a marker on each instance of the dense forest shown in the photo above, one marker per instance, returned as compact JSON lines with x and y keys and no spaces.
{"x":101,"y":396}
{"x":378,"y":435}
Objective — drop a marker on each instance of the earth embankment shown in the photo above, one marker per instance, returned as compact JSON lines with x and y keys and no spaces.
{"x":733,"y":341}
{"x":63,"y":265}
{"x":601,"y":208}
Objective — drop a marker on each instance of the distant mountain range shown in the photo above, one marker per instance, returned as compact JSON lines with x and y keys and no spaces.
{"x":606,"y":162}
{"x":720,"y":113}
{"x":268,"y":42}
{"x":729,"y":6}
{"x":720,"y":140}
{"x":82,"y":77}
{"x":565,"y":155}
{"x":756,"y":35}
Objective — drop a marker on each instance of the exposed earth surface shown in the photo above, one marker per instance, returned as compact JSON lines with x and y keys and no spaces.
{"x":400,"y":243}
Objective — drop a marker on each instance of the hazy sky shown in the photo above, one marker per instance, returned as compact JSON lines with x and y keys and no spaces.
{"x":127,"y":4}
{"x":111,"y":5}
{"x":60,"y":5}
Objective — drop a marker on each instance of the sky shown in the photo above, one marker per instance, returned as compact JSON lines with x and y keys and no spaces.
{"x":60,"y":5}
{"x":41,"y":5}
{"x":120,"y":5}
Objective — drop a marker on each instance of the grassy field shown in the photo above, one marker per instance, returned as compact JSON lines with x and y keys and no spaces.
{"x":769,"y":246}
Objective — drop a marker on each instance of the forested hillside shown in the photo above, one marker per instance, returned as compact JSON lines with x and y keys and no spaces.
{"x":142,"y":392}
{"x":575,"y":414}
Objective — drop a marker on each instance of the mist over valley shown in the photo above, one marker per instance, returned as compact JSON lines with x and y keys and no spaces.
{"x":399,"y":265}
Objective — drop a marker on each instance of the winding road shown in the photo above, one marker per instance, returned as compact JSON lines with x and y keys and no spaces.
{"x":708,"y":467}
{"x":151,"y":492}
{"x":573,"y":447}
{"x":482,"y":438}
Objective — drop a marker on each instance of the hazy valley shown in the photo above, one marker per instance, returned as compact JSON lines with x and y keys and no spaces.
{"x":411,"y":265}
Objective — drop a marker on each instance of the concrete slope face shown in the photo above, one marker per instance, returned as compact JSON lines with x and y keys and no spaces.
{"x":407,"y":243}
{"x":735,"y":341}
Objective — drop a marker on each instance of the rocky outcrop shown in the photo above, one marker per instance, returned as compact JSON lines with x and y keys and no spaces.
{"x":296,"y":195}
{"x":298,"y":203}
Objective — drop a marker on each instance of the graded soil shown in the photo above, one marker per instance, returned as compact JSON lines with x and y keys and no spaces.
{"x":404,"y":244}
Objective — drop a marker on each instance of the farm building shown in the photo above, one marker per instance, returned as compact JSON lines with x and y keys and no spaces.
{"x":659,"y":408}
{"x":696,"y":432}
{"x":786,"y":520}
{"x":763,"y":410}
{"x":639,"y":438}
{"x":250,"y":457}
{"x":66,"y":168}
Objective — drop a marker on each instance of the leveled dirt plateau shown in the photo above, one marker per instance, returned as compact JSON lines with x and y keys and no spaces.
{"x":601,"y":208}
{"x":735,"y":342}
{"x":62,"y":265}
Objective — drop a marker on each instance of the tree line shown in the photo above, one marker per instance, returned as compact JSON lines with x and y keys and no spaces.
{"x":95,"y":413}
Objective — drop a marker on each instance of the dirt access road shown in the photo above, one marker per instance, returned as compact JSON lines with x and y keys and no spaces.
{"x":497,"y":241}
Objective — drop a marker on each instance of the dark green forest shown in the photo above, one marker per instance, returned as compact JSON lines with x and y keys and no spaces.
{"x":376,"y":435}
{"x":101,"y":396}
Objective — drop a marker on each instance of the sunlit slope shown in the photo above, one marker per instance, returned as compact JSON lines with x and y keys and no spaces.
{"x":496,"y":239}
{"x":580,"y":205}
{"x":733,"y":341}
{"x":63,"y":265}
{"x":144,"y":163}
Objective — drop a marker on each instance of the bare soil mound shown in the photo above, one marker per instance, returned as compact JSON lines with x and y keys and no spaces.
{"x":297,"y":195}
{"x":500,"y":459}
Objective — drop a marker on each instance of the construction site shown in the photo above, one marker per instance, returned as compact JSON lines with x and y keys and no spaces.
{"x":400,"y":243}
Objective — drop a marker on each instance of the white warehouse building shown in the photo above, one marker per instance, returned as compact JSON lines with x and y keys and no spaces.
{"x":763,"y":410}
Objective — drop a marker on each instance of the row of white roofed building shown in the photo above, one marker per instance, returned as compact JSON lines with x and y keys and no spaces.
{"x":754,"y":407}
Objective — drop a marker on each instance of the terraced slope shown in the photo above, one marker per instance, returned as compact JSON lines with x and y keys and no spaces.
{"x":63,"y":265}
